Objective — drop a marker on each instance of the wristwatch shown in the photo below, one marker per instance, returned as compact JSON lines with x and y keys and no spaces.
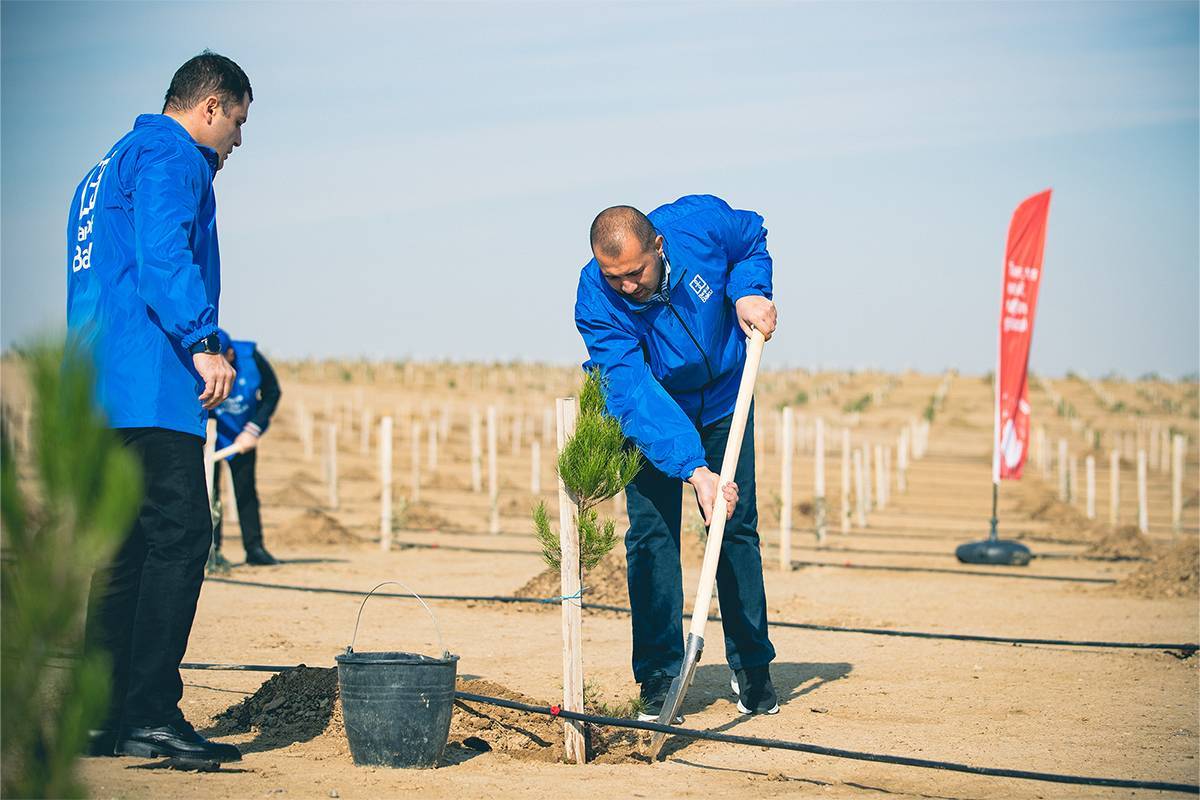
{"x":210,"y":344}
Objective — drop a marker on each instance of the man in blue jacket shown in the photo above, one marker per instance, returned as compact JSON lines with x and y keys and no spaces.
{"x":664,"y":308}
{"x":143,"y":278}
{"x":241,"y":420}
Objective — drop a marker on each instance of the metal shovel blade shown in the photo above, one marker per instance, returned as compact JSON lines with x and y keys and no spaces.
{"x":675,"y":695}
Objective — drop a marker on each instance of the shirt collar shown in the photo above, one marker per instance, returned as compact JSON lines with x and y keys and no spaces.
{"x":167,"y":123}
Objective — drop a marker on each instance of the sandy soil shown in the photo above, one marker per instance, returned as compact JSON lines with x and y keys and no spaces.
{"x":1115,"y":713}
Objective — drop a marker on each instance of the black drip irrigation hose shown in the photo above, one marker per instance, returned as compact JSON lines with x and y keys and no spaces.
{"x":1187,"y":649}
{"x":945,"y":571}
{"x":407,"y":545}
{"x":777,"y":744}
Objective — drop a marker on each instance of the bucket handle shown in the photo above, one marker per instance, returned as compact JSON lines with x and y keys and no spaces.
{"x":362,"y":605}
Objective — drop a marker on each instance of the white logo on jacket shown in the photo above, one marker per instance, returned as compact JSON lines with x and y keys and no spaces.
{"x":701,"y":289}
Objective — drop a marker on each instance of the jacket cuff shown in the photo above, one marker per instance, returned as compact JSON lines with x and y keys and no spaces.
{"x":689,"y":467}
{"x":737,"y":293}
{"x":197,"y":335}
{"x":251,"y":428}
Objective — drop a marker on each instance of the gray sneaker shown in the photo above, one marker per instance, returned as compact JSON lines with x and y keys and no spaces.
{"x":754,"y":690}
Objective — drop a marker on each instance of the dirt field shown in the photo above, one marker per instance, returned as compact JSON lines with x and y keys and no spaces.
{"x":1097,"y":712}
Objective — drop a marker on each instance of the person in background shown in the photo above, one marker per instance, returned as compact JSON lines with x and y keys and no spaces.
{"x":241,"y":420}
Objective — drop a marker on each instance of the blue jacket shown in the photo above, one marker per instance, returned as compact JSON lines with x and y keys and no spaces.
{"x":673,"y":366}
{"x":144,"y":274}
{"x":242,"y":404}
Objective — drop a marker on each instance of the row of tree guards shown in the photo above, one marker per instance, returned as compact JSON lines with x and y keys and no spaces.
{"x":868,"y":471}
{"x":1167,"y":455}
{"x":875,"y":468}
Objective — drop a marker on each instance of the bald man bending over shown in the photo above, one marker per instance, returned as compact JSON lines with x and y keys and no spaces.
{"x":664,"y":308}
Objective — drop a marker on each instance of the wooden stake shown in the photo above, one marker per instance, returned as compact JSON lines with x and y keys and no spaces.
{"x":493,"y":475}
{"x":880,"y":480}
{"x":1178,"y":462}
{"x":535,"y":467}
{"x":1155,"y":448}
{"x":1063,"y":490}
{"x":1090,"y":468}
{"x":1073,"y":480}
{"x":476,"y":452}
{"x":859,"y":488}
{"x":869,"y":499}
{"x":305,"y":426}
{"x":902,"y":462}
{"x":1164,"y":448}
{"x":385,"y":483}
{"x":819,"y":478}
{"x":1143,"y":508}
{"x":433,"y":446}
{"x":1114,"y":487}
{"x":845,"y":463}
{"x":887,"y":474}
{"x":516,"y":436}
{"x":572,"y":603}
{"x":331,"y":465}
{"x":368,"y":422}
{"x":785,"y":490}
{"x":414,"y":491}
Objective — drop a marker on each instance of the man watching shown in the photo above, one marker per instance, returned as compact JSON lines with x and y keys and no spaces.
{"x":241,"y":420}
{"x":143,"y":280}
{"x":664,"y":308}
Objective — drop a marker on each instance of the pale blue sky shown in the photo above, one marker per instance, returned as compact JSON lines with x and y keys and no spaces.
{"x":417,"y":180}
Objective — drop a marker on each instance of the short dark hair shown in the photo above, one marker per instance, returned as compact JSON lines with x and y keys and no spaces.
{"x":613,"y":225}
{"x":203,"y":75}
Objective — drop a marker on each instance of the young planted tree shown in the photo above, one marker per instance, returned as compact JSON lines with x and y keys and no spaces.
{"x":594,"y":465}
{"x":59,"y":527}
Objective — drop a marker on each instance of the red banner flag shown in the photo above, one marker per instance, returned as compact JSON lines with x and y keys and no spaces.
{"x":1022,"y":277}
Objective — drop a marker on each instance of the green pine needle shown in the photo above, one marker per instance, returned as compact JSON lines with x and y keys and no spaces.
{"x":595,"y":465}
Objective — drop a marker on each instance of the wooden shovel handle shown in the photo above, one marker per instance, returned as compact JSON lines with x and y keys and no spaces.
{"x":225,"y":452}
{"x":733,"y":447}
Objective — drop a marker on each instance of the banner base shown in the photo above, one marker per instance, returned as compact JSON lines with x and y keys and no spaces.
{"x":1004,"y":552}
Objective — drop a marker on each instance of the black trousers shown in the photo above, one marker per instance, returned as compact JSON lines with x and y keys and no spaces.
{"x":141,"y":608}
{"x":245,"y":492}
{"x":654,"y":502}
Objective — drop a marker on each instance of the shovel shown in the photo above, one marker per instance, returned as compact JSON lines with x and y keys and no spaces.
{"x":712,"y":549}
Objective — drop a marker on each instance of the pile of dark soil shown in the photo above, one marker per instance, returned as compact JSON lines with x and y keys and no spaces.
{"x":312,"y":527}
{"x":606,"y":583}
{"x":293,"y":706}
{"x":1174,"y":572}
{"x":357,"y":473}
{"x":303,"y":476}
{"x":302,"y":704}
{"x":1126,"y":542}
{"x":603,"y":584}
{"x":419,"y":516}
{"x":293,"y":494}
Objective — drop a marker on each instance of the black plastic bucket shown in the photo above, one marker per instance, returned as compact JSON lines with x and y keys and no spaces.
{"x":397,"y":706}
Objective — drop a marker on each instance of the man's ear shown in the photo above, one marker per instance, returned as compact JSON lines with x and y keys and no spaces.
{"x":658,"y":243}
{"x":211,"y":104}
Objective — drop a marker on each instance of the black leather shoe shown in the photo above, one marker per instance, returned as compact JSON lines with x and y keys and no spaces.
{"x":102,"y":742}
{"x":176,"y":740}
{"x":259,"y":557}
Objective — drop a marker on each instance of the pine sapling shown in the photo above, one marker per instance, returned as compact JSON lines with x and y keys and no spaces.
{"x":595,"y":465}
